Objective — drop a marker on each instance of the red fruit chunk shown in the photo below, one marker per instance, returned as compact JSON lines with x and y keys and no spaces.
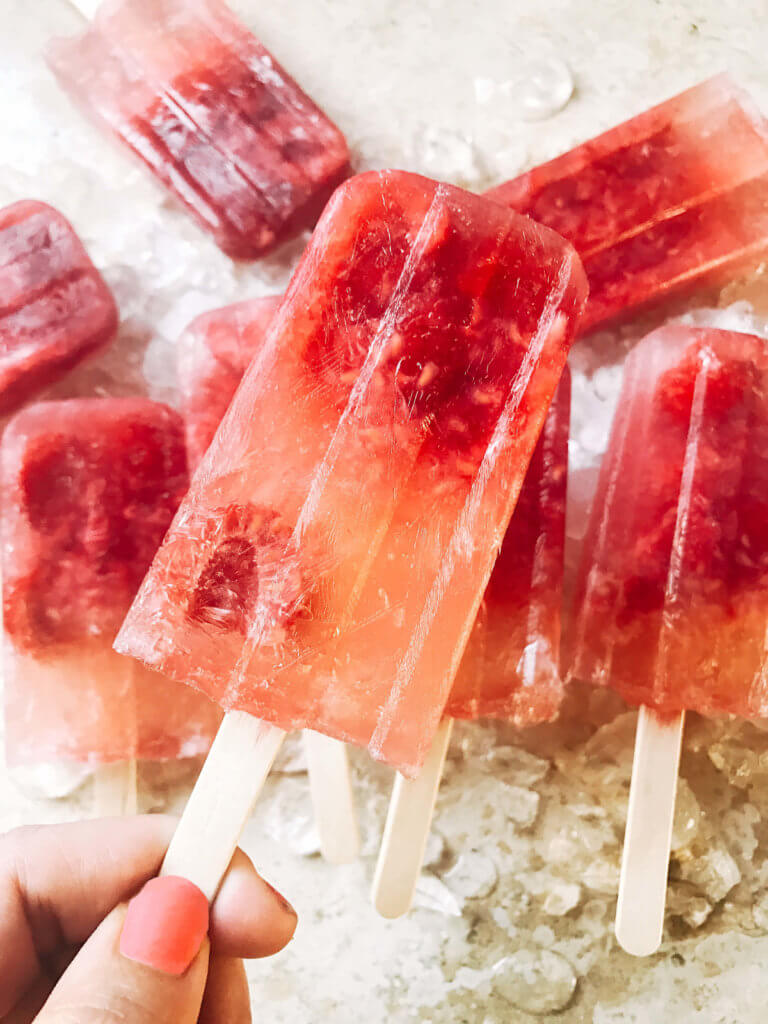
{"x":387,"y":421}
{"x":510,"y":668}
{"x":211,"y":112}
{"x":674,"y":197}
{"x":672,"y":604}
{"x":55,"y":309}
{"x":214,"y":353}
{"x":89,"y":488}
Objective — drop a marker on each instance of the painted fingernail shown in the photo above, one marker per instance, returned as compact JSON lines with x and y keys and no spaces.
{"x":284,"y":904}
{"x":165,"y":925}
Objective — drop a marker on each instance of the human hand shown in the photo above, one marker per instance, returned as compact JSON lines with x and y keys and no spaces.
{"x":70,"y":947}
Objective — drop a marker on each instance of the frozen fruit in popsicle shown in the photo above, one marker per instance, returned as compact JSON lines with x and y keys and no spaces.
{"x":89,"y":487}
{"x":212,"y":113}
{"x":385,"y":427}
{"x":213,"y":354}
{"x":55,"y":309}
{"x":511,"y":667}
{"x":676,"y":196}
{"x":672,"y":603}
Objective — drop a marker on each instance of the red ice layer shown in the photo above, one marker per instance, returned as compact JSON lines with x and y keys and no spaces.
{"x":89,"y":487}
{"x":672,"y":603}
{"x":511,"y":667}
{"x":326,"y":568}
{"x":676,"y":196}
{"x":213,"y":354}
{"x":212,"y":113}
{"x":55,"y":309}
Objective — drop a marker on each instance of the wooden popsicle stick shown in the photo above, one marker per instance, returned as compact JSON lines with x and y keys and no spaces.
{"x":232,"y":777}
{"x":332,"y":798}
{"x":115,"y":790}
{"x":87,"y":8}
{"x":648,"y":837}
{"x":406,"y":831}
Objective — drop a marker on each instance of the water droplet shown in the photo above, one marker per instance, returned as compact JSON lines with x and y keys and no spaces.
{"x":545,"y":87}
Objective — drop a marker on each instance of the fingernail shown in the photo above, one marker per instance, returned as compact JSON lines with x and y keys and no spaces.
{"x":284,"y":904}
{"x":165,"y":925}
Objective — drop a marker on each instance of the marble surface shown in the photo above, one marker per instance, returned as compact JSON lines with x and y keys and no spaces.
{"x":514,"y":913}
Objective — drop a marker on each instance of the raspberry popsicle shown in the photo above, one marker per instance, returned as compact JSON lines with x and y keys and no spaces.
{"x":672,"y":604}
{"x":510,"y":667}
{"x":675,"y":197}
{"x":55,"y":309}
{"x":344,"y":521}
{"x":211,"y":112}
{"x":213,"y":354}
{"x":89,"y":487}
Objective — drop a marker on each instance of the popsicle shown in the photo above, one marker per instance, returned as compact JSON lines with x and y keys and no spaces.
{"x":510,"y":668}
{"x":673,"y":198}
{"x":328,"y":562}
{"x":211,"y":112}
{"x":213,"y":354}
{"x":89,"y":487}
{"x":671,"y":607}
{"x":55,"y":309}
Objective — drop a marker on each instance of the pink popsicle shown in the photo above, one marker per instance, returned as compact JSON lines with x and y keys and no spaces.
{"x":672,"y":604}
{"x":89,"y":487}
{"x":55,"y":309}
{"x":213,"y":354}
{"x":342,"y":524}
{"x":675,"y":197}
{"x":511,"y":667}
{"x":212,"y":113}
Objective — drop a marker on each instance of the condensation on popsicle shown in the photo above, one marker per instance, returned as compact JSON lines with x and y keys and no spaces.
{"x":345,"y":519}
{"x":55,"y":309}
{"x":675,"y":197}
{"x":211,"y":112}
{"x":671,"y":607}
{"x":213,"y":354}
{"x":511,"y":667}
{"x":89,"y":487}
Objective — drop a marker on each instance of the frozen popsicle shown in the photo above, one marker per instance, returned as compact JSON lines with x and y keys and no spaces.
{"x":671,"y":608}
{"x":327,"y":565}
{"x":673,"y":198}
{"x":89,"y":487}
{"x":211,"y":112}
{"x":510,"y":667}
{"x":213,"y":354}
{"x":55,"y":309}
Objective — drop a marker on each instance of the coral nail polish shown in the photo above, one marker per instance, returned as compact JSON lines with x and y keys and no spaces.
{"x":165,"y":925}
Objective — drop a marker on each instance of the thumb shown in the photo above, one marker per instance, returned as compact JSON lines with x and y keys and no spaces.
{"x":146,"y":963}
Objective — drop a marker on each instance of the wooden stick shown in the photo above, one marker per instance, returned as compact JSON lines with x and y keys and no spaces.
{"x":87,"y":8}
{"x":407,"y":829}
{"x":647,"y":840}
{"x":232,"y":777}
{"x":115,"y":790}
{"x":332,"y":798}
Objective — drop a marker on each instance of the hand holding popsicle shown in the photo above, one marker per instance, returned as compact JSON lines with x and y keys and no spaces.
{"x":671,"y":604}
{"x":155,"y":960}
{"x":390,"y":415}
